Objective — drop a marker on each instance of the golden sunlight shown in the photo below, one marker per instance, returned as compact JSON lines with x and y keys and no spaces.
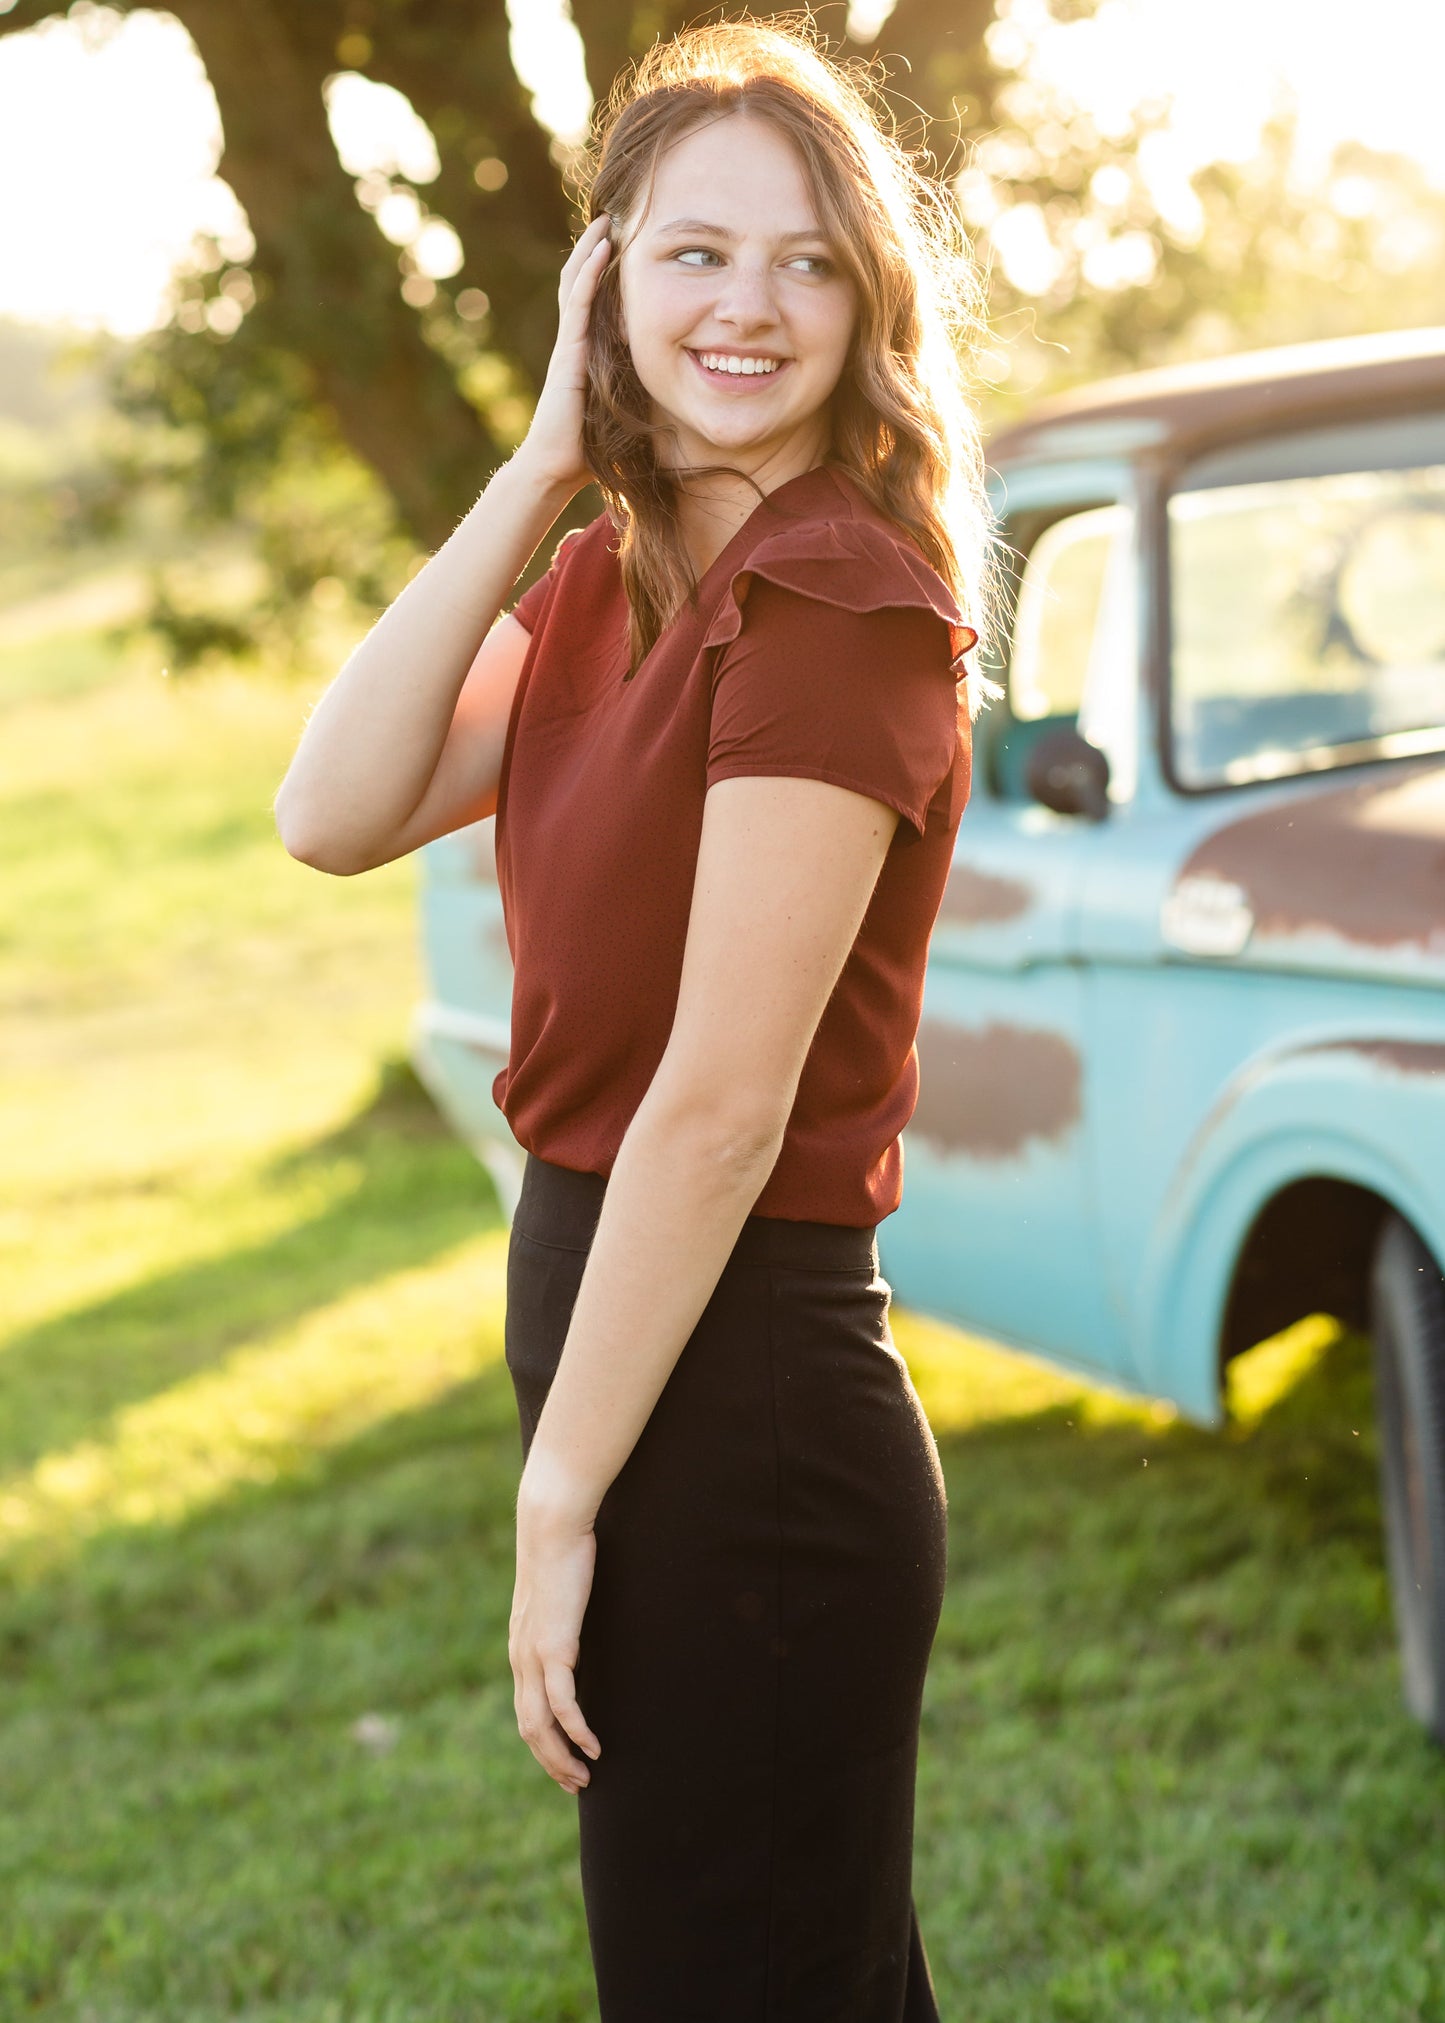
{"x":109,"y":127}
{"x":395,"y":1346}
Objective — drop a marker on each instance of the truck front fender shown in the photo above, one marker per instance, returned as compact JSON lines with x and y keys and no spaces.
{"x":1364,"y":1109}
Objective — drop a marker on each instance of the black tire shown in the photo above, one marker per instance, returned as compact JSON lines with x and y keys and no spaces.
{"x":1407,"y":1322}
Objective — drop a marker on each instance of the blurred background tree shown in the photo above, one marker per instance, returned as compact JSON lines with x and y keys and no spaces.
{"x":336,"y":378}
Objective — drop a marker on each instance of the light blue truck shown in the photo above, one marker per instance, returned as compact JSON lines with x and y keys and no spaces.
{"x":1183,"y":1040}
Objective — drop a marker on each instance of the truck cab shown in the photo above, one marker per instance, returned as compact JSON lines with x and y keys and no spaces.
{"x":1183,"y":1039}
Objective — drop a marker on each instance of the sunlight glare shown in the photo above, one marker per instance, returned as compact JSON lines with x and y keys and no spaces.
{"x":1263,"y":1376}
{"x":109,"y":126}
{"x":377,"y":130}
{"x":1228,"y":66}
{"x":108,"y":150}
{"x":548,"y":58}
{"x":967,"y":1383}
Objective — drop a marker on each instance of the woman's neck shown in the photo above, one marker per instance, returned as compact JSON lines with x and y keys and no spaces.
{"x":711,"y":508}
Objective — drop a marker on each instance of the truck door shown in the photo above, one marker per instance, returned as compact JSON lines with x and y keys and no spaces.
{"x":998,"y":1230}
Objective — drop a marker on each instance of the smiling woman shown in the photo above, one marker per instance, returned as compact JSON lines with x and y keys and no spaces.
{"x":727,"y":740}
{"x":762,"y":250}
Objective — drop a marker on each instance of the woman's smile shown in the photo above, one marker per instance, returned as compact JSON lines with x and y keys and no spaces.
{"x":733,"y":372}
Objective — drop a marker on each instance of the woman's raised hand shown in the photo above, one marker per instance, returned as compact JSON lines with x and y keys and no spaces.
{"x":553,"y":448}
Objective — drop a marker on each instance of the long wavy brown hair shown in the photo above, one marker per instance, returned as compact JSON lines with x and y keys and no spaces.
{"x":902,"y":423}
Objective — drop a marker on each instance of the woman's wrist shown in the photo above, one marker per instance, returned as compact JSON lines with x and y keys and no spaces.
{"x":555,"y":1496}
{"x":528,"y":471}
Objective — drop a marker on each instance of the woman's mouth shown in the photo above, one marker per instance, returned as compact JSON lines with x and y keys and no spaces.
{"x":738,"y":371}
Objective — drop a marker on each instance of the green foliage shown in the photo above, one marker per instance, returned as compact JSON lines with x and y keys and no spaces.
{"x":226,"y":435}
{"x":59,"y":488}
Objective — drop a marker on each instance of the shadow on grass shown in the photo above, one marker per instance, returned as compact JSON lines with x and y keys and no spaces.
{"x":200,"y":1819}
{"x":411,"y":1192}
{"x":1310,"y":1457}
{"x":1154,"y":1687}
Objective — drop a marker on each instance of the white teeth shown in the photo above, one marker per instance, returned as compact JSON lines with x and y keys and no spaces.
{"x":723,"y":361}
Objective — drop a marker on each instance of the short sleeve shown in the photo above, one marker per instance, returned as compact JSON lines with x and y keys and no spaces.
{"x":530,"y":606}
{"x":868,"y":699}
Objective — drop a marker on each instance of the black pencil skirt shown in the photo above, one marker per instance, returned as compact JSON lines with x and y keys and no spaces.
{"x":770,"y":1568}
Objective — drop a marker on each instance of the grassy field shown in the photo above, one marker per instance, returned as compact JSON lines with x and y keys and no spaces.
{"x":257,"y":1454}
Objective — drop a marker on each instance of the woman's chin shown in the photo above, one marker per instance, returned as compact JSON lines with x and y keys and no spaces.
{"x":701,"y":437}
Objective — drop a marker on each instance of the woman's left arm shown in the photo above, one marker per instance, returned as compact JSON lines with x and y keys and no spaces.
{"x":786,"y":868}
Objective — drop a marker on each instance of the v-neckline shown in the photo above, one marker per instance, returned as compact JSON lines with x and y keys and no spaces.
{"x":695,"y":606}
{"x":768,"y":499}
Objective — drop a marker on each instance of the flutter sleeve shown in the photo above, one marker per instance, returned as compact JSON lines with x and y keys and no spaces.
{"x":840,"y":658}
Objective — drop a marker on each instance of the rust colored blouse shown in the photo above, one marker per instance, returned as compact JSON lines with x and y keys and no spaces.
{"x":821,"y":645}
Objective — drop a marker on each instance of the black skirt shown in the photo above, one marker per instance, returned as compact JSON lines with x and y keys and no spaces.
{"x":770,"y":1569}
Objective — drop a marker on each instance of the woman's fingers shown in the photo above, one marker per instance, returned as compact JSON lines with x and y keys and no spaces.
{"x":573,"y":325}
{"x":554,"y":440}
{"x":538,"y":1728}
{"x":586,"y":284}
{"x":581,"y":254}
{"x":560,"y":1683}
{"x":584,"y":243}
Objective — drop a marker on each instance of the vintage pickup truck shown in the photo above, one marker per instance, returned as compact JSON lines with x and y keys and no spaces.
{"x":1183,"y":1041}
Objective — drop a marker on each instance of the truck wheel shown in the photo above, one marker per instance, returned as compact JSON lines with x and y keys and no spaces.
{"x":1407,"y":1322}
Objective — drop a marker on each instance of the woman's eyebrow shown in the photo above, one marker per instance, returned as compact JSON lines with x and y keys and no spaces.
{"x":721,"y":231}
{"x":696,"y":225}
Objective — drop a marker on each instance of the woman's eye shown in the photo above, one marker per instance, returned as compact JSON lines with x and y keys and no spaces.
{"x":695,"y":255}
{"x":817,"y":263}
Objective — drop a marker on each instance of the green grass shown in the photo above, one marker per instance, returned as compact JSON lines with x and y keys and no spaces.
{"x":257,"y":1454}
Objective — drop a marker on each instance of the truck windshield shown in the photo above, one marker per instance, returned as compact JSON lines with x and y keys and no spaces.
{"x":1308,"y":614}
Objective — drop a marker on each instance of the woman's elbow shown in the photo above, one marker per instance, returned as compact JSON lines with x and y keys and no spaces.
{"x":727,"y":1128}
{"x":311,"y":841}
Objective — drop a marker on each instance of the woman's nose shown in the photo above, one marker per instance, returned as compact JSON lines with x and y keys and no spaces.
{"x":746,"y":299}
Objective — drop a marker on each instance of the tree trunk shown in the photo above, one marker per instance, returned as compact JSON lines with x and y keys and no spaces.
{"x":334,"y":295}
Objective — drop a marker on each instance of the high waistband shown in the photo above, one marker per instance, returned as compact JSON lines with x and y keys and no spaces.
{"x":561,"y":1207}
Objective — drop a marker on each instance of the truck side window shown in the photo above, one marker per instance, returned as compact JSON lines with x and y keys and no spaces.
{"x":1308,"y":614}
{"x":1069,"y":652}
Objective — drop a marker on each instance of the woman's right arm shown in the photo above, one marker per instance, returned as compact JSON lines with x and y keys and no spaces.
{"x":407,"y":741}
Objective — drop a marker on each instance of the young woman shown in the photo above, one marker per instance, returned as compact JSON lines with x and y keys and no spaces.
{"x":726,"y":737}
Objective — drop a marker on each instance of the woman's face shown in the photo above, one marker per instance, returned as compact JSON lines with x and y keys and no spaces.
{"x":736,"y":309}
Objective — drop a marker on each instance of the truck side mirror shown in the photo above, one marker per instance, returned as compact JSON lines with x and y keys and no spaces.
{"x":1068,"y":774}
